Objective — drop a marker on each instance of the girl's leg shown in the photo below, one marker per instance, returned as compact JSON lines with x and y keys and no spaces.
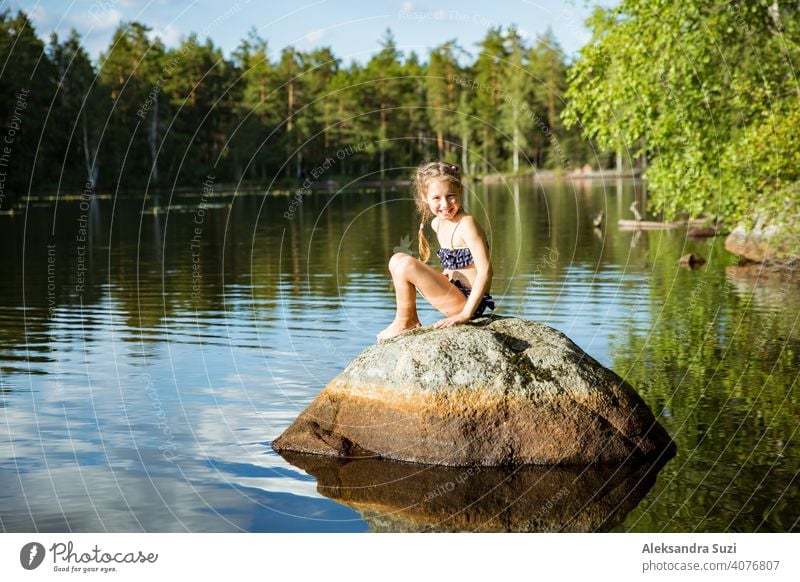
{"x":409,"y":275}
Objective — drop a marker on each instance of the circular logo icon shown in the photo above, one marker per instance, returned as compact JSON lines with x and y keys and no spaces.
{"x":31,"y":555}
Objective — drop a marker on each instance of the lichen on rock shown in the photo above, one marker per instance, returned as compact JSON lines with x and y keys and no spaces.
{"x":498,"y":391}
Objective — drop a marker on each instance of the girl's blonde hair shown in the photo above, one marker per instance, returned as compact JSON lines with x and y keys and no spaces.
{"x":427,"y":173}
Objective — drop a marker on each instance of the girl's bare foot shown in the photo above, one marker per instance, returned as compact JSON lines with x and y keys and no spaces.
{"x":396,"y":329}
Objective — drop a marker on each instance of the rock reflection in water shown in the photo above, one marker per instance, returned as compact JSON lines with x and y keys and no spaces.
{"x":769,"y":286}
{"x":407,"y":497}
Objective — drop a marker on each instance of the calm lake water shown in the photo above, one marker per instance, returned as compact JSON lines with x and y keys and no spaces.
{"x":151,"y":348}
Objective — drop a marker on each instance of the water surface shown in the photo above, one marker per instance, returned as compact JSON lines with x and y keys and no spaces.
{"x":152,"y":347}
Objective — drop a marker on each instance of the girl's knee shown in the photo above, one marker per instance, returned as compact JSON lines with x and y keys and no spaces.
{"x":399,"y":261}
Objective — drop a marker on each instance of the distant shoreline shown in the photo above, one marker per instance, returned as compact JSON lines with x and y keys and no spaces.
{"x":284,"y":186}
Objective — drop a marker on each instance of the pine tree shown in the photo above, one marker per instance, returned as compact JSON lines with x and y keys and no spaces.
{"x":516,"y":119}
{"x":132,"y":72}
{"x":27,"y":86}
{"x":384,"y":75}
{"x":291,"y":98}
{"x":257,"y":117}
{"x":76,"y":130}
{"x":548,"y":69}
{"x":488,"y":70}
{"x":443,"y":95}
{"x":413,"y":101}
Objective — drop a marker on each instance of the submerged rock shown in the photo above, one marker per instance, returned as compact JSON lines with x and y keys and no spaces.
{"x":498,"y":391}
{"x":692,"y":261}
{"x":393,"y":496}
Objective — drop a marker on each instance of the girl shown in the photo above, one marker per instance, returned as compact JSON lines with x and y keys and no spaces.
{"x":461,"y":290}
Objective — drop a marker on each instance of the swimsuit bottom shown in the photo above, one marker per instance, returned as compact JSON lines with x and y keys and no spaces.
{"x":486,"y":300}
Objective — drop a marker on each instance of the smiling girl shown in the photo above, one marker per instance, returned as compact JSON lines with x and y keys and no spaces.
{"x":461,"y":290}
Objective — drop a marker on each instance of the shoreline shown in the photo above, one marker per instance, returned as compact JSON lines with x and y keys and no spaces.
{"x":283,"y":186}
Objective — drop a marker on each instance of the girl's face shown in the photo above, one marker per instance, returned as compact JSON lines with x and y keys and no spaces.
{"x":443,"y":200}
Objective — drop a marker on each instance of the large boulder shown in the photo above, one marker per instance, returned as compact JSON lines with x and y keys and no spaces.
{"x":498,"y":391}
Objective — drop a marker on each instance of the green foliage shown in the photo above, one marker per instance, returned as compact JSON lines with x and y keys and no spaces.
{"x":146,"y":115}
{"x":80,"y":102}
{"x":26,"y":86}
{"x":547,"y":66}
{"x":443,"y":94}
{"x":383,"y":88}
{"x":131,"y":72}
{"x":706,"y":91}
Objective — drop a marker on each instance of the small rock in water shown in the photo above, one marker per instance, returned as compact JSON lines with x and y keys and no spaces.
{"x":691,"y":261}
{"x":702,"y":232}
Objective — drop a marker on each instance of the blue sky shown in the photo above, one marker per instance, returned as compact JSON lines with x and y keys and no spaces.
{"x":352,"y":29}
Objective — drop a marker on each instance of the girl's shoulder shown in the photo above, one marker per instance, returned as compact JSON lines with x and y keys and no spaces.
{"x":467,"y":221}
{"x":466,"y":217}
{"x":470,"y":229}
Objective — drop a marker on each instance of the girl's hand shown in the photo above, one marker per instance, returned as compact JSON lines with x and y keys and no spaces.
{"x":451,"y":321}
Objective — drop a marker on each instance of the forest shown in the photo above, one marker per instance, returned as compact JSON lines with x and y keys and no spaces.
{"x":701,"y":98}
{"x":148,"y":116}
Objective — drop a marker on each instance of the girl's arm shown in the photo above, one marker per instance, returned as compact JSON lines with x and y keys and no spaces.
{"x":473,"y":235}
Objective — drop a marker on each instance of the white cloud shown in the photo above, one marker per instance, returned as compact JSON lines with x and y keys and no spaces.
{"x":37,"y":14}
{"x":407,"y":7}
{"x":100,"y":19}
{"x":42,"y":22}
{"x":169,"y":35}
{"x":315,"y":35}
